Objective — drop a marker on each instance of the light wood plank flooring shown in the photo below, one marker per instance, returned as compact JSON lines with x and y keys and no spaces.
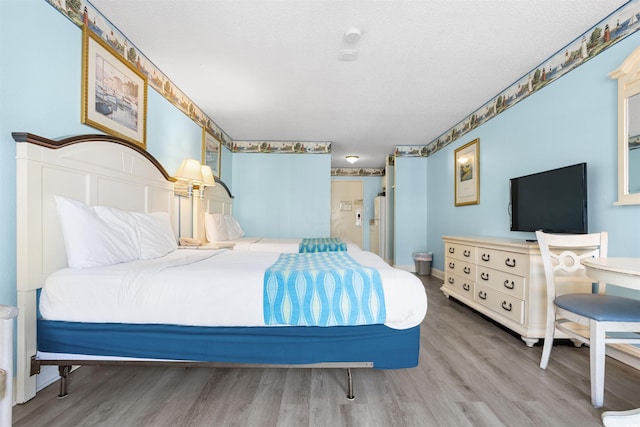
{"x":471,"y":373}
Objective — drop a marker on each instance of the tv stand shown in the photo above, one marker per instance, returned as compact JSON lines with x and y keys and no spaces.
{"x":501,"y":278}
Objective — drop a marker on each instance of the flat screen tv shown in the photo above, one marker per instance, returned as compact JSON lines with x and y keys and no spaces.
{"x":554,"y":201}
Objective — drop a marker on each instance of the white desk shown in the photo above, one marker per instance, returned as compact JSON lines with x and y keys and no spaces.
{"x":616,"y":271}
{"x":621,"y":272}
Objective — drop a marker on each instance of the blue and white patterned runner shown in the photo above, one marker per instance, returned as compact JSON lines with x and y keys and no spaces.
{"x":322,"y":244}
{"x":322,"y":289}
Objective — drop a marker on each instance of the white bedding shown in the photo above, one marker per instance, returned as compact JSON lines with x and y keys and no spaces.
{"x":200,"y":287}
{"x":265,"y":244}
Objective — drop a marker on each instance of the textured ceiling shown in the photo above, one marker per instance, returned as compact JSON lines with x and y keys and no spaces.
{"x":269,"y":70}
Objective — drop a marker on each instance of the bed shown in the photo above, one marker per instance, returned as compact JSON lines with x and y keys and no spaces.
{"x":100,"y":170}
{"x":272,"y":244}
{"x":216,"y":226}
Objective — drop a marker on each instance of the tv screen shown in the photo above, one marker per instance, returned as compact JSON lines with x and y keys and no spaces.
{"x":553,"y":201}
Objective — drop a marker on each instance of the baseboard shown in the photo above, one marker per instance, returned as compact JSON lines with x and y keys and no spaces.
{"x":409,"y":268}
{"x":626,"y":353}
{"x":437,"y":273}
{"x":412,"y":269}
{"x":47,"y":376}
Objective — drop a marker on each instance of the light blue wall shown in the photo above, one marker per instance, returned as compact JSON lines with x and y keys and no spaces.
{"x":282,"y":195}
{"x":171,"y":135}
{"x":572,"y":120}
{"x":39,"y":93}
{"x":372,"y":185}
{"x":40,"y":75}
{"x":226,"y":169}
{"x":411,"y":212}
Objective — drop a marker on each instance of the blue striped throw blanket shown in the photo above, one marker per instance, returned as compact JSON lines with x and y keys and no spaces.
{"x":322,"y":289}
{"x":322,"y":244}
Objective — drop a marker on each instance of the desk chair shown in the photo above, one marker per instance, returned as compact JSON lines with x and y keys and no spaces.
{"x":574,"y":309}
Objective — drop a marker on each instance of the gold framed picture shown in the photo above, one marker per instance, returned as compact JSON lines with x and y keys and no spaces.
{"x":466,"y":164}
{"x":114,"y":92}
{"x":211,"y":152}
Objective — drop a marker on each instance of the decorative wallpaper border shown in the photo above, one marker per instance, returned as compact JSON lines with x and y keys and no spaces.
{"x":281,"y":147}
{"x":411,"y":151}
{"x":357,"y":172}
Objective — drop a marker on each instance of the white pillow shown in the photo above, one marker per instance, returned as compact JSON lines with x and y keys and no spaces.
{"x":215,"y":227}
{"x":233,"y":227}
{"x":156,"y":234}
{"x":95,"y":236}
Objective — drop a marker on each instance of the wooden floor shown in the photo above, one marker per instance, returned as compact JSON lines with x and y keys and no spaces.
{"x":471,"y":373}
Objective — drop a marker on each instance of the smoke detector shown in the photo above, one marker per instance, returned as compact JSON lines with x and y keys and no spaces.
{"x":353,"y":35}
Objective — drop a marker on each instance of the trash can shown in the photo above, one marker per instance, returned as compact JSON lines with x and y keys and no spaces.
{"x":423,"y":262}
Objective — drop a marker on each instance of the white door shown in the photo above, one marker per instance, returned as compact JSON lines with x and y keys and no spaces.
{"x":347,"y":211}
{"x":374,"y":236}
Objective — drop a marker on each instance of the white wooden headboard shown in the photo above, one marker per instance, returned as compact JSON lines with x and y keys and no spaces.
{"x":216,"y":199}
{"x":94,"y":169}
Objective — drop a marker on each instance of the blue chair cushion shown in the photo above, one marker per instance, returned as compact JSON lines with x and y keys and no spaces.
{"x":603,"y":308}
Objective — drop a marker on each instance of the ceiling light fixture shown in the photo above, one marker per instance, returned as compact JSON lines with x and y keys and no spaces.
{"x":352,"y":159}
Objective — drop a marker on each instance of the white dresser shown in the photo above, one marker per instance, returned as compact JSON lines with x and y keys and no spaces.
{"x":501,"y":278}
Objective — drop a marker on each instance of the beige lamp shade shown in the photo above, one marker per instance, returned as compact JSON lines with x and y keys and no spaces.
{"x":207,"y":176}
{"x":190,"y":170}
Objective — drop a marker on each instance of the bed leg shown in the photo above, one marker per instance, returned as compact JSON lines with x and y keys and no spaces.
{"x":350,"y":395}
{"x":64,"y":373}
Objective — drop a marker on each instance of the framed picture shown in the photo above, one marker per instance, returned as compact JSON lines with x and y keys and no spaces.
{"x":467,"y":174}
{"x":211,"y":152}
{"x":114,"y":92}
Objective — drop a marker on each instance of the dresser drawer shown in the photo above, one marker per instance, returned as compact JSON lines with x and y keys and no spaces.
{"x":461,"y":268}
{"x":507,"y":283}
{"x":499,"y":302}
{"x":510,"y":262}
{"x":460,"y":285}
{"x":462,"y":252}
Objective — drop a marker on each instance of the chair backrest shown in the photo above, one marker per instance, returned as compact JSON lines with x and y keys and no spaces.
{"x":562,"y":256}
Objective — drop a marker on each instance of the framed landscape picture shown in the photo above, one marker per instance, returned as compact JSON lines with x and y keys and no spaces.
{"x":211,"y":152}
{"x":466,"y":164}
{"x":114,"y":92}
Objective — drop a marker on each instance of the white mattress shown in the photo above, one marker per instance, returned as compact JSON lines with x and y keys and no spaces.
{"x":265,"y":244}
{"x":200,"y":287}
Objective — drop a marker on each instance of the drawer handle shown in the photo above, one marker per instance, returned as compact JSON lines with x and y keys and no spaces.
{"x":507,"y":308}
{"x":466,"y":287}
{"x":482,"y":295}
{"x":451,"y":249}
{"x":509,"y":262}
{"x":509,"y":286}
{"x":451,"y":280}
{"x":486,"y":257}
{"x":466,"y":270}
{"x":466,"y":253}
{"x":452,"y":265}
{"x":484,"y":276}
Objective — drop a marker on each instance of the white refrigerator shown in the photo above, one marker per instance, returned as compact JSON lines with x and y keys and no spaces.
{"x":378,"y":228}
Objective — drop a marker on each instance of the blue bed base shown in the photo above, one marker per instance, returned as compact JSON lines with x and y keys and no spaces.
{"x":386,"y":348}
